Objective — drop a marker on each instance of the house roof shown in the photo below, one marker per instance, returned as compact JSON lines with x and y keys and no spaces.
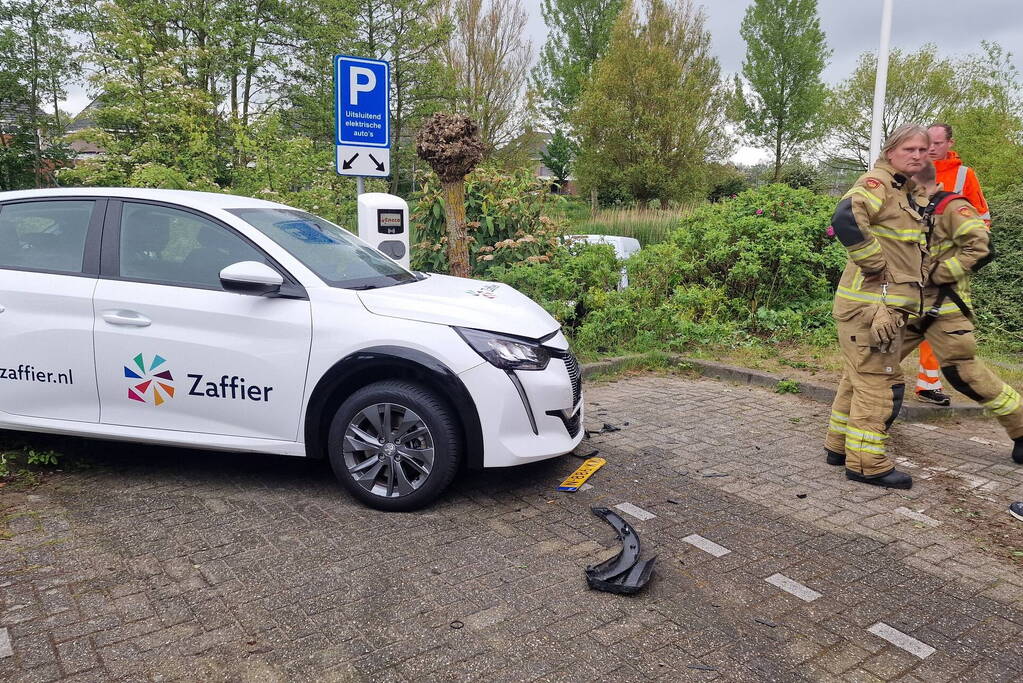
{"x":11,"y":112}
{"x":85,"y":118}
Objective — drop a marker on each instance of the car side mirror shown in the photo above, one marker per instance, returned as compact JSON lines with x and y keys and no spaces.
{"x":251,"y":277}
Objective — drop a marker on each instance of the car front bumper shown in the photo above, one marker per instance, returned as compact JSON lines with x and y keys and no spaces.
{"x":527,"y":415}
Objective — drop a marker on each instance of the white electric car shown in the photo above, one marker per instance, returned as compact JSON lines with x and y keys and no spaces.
{"x":222,"y":322}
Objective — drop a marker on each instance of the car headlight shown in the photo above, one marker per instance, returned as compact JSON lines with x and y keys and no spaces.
{"x":504,"y":351}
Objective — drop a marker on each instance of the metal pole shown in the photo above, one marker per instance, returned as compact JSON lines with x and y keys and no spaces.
{"x":880,"y":82}
{"x":360,"y":185}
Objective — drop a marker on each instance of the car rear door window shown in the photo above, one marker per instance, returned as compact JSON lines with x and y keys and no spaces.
{"x":45,"y":236}
{"x":169,"y":246}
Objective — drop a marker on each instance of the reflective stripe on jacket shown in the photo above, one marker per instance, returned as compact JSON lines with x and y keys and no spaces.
{"x":956,"y":176}
{"x":879,"y":224}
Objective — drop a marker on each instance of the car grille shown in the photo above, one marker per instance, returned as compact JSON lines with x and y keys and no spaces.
{"x":574,"y":423}
{"x":574,"y":373}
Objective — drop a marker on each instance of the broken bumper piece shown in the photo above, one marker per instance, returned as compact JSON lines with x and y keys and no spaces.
{"x":624,"y":573}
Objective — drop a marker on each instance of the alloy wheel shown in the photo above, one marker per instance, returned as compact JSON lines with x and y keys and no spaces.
{"x":388,"y":450}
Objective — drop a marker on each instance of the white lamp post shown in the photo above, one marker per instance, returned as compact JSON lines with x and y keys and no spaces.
{"x":880,"y":82}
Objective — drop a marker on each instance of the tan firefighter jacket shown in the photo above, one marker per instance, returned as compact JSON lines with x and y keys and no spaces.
{"x":960,"y":244}
{"x":879,"y":223}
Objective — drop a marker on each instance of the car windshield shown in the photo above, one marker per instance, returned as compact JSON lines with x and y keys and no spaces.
{"x":328,"y":250}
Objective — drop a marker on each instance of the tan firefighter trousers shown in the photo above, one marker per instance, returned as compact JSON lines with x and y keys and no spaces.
{"x":868,"y":400}
{"x":951,"y":337}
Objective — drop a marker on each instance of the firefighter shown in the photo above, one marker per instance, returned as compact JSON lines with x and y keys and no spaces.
{"x":879,"y":223}
{"x":959,"y":245}
{"x":956,"y":177}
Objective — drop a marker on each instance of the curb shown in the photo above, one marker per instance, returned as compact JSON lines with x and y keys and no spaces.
{"x":817,"y":392}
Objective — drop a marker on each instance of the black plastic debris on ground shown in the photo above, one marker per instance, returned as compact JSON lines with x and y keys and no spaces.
{"x":608,"y":427}
{"x":585,"y":456}
{"x":624,"y":573}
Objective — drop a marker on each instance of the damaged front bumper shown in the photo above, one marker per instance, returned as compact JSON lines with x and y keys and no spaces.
{"x":624,"y":573}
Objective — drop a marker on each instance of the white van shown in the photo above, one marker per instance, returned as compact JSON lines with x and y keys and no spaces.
{"x":222,"y":322}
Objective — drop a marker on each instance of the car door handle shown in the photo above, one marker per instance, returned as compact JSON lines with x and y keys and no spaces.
{"x":129,"y":318}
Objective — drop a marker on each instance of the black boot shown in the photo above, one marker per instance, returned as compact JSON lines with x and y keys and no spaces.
{"x":834,"y":458}
{"x":893,"y":479}
{"x":1017,"y":451}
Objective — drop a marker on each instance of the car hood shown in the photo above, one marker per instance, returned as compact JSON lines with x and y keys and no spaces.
{"x":447,"y":300}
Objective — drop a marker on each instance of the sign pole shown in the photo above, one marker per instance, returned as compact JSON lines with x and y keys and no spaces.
{"x":360,"y":185}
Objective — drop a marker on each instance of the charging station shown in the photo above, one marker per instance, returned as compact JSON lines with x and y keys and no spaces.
{"x":383,"y":223}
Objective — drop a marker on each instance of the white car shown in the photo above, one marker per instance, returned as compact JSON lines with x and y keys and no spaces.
{"x":222,"y":322}
{"x":624,"y":248}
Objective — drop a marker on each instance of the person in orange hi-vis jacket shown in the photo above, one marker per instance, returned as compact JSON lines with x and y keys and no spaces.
{"x":957,"y":177}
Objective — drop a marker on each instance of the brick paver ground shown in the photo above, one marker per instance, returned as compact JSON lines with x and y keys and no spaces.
{"x":158,"y":564}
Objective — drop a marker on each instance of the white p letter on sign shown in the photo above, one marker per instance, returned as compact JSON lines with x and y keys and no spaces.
{"x":355,"y":87}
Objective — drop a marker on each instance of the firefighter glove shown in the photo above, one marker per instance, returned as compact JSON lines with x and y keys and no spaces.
{"x":884,"y":328}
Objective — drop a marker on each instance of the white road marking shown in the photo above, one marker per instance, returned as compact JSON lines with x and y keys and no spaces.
{"x":636,"y":511}
{"x":706,"y":545}
{"x":900,"y":639}
{"x":921,"y":425}
{"x":918,"y":516}
{"x":983,"y":441}
{"x":793,"y":587}
{"x":5,"y":643}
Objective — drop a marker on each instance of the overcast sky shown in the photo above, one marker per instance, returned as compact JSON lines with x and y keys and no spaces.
{"x":853,"y":27}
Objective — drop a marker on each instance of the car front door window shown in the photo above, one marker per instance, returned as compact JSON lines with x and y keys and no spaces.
{"x":170,"y":246}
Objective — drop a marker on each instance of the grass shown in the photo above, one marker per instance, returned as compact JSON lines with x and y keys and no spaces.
{"x":649,"y":226}
{"x":652,"y":361}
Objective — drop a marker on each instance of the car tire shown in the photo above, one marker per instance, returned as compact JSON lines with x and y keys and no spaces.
{"x":394,"y":445}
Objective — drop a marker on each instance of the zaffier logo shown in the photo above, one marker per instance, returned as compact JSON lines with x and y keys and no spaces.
{"x":158,"y":385}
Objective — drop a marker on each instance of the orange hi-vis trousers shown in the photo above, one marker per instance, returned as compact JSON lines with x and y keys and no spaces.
{"x":928,"y":377}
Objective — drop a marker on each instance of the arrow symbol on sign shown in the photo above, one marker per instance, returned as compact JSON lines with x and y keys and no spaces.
{"x":380,"y":167}
{"x":348,"y":164}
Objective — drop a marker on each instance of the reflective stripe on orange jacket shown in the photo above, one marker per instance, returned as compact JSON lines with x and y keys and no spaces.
{"x":948,"y":170}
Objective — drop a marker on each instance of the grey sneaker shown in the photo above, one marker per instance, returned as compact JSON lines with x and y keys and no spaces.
{"x":1016,"y":510}
{"x":935,"y":396}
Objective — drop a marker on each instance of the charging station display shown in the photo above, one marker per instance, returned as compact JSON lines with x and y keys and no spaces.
{"x":390,"y":221}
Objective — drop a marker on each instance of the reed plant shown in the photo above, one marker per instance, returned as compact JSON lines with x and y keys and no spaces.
{"x":649,"y":226}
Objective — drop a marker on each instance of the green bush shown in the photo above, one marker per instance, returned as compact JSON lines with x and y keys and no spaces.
{"x":726,"y":182}
{"x":998,"y":287}
{"x":767,"y":247}
{"x":801,"y":175}
{"x":568,"y":282}
{"x":759,"y":265}
{"x":508,"y":216}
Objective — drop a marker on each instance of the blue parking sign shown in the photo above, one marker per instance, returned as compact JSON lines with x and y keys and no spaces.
{"x":361,"y":90}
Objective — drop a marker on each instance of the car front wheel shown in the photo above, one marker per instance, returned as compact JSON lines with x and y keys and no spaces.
{"x":394,"y":445}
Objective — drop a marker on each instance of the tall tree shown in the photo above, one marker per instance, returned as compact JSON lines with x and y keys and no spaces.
{"x":558,"y":156}
{"x":920,"y":86}
{"x":780,"y":102}
{"x":37,"y":66}
{"x":988,"y":128}
{"x":651,"y":114}
{"x":154,"y":111}
{"x":488,"y":58}
{"x":578,"y":32}
{"x":409,"y":34}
